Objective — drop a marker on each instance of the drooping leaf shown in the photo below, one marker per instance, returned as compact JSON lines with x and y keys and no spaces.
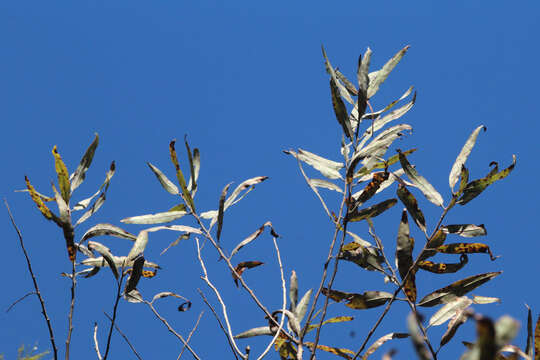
{"x":372,"y":211}
{"x":465,"y":248}
{"x":302,"y":306}
{"x":192,"y":184}
{"x":475,"y":187}
{"x":404,"y":247}
{"x":135,"y":274}
{"x":367,"y":300}
{"x":107,"y":229}
{"x":241,"y":267}
{"x":325,"y":184}
{"x":383,"y":73}
{"x":367,"y":257}
{"x":253,"y":236}
{"x":372,"y":187}
{"x":221,"y":209}
{"x":39,"y":202}
{"x":437,"y":240}
{"x":164,"y":180}
{"x":63,"y":175}
{"x":466,"y":230}
{"x":293,"y":291}
{"x":417,"y":338}
{"x":456,"y":289}
{"x":377,"y":344}
{"x":328,"y":168}
{"x":180,"y":176}
{"x":79,"y":175}
{"x":449,"y":310}
{"x":92,"y":210}
{"x":333,"y":320}
{"x":343,"y":353}
{"x":443,"y":268}
{"x":258,"y":331}
{"x":410,"y":202}
{"x":107,"y":255}
{"x":157,"y":218}
{"x":462,"y":157}
{"x":459,"y":319}
{"x":427,"y":189}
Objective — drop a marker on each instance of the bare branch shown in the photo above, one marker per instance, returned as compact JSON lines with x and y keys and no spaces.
{"x":123,"y":336}
{"x":115,"y":308}
{"x":36,"y":287}
{"x":191,"y":334}
{"x":96,"y":345}
{"x":19,"y":300}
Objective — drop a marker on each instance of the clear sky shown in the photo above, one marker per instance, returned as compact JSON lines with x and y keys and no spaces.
{"x":245,"y":80}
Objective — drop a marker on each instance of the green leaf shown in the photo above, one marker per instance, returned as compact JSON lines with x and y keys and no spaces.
{"x":427,"y":189}
{"x":180,"y":176}
{"x":466,"y":230}
{"x":411,"y":204}
{"x":475,"y":188}
{"x":302,"y":306}
{"x":39,"y":202}
{"x":253,"y":236}
{"x":372,"y":211}
{"x":107,"y":255}
{"x":405,"y":246}
{"x":79,"y":175}
{"x":221,"y":210}
{"x":63,"y":175}
{"x":449,"y":310}
{"x":377,"y":344}
{"x":107,"y":229}
{"x":462,"y":157}
{"x":164,"y":180}
{"x":158,"y":218}
{"x":330,"y":169}
{"x":383,"y":73}
{"x":456,"y":289}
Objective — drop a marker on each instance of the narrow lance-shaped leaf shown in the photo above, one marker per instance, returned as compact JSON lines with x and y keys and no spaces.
{"x":436,"y":241}
{"x":456,"y":289}
{"x":383,"y":73}
{"x":466,"y":230}
{"x":367,"y":300}
{"x":480,"y":300}
{"x":328,"y":168}
{"x":383,"y":164}
{"x":442,"y":268}
{"x":158,"y":218}
{"x":83,"y":204}
{"x":221,"y":210}
{"x":93,"y":209}
{"x":339,"y":107}
{"x":427,"y":189}
{"x":404,"y":247}
{"x":258,"y":331}
{"x":529,"y":348}
{"x":107,"y":229}
{"x":164,"y":180}
{"x":394,"y":115}
{"x":377,"y":344}
{"x":411,"y":204}
{"x":537,"y":340}
{"x":363,"y":85}
{"x":325,"y":185}
{"x":253,"y":236}
{"x":462,"y":157}
{"x":180,"y":176}
{"x":351,"y":89}
{"x":466,"y":248}
{"x":63,"y":175}
{"x":449,"y":311}
{"x":293,"y":291}
{"x":192,"y":185}
{"x":63,"y":208}
{"x":39,"y":202}
{"x":475,"y":188}
{"x":372,"y":187}
{"x":107,"y":255}
{"x":459,"y":319}
{"x":79,"y":174}
{"x":372,"y":211}
{"x":241,"y":267}
{"x":139,"y":245}
{"x":302,"y":306}
{"x":333,"y":320}
{"x":343,"y":353}
{"x":135,"y":275}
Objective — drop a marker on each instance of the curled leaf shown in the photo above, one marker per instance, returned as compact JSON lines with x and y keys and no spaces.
{"x":241,"y":267}
{"x":465,"y":248}
{"x":412,"y":206}
{"x":377,"y":344}
{"x":107,"y":229}
{"x":466,"y":230}
{"x":442,"y":268}
{"x":253,"y":236}
{"x":79,"y":175}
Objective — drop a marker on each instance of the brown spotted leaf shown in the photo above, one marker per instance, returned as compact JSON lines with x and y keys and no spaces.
{"x":367,"y":300}
{"x":372,"y":187}
{"x":63,"y":175}
{"x":39,"y":202}
{"x":436,"y":241}
{"x":442,"y":268}
{"x":372,"y":211}
{"x":404,"y":247}
{"x":465,"y":248}
{"x":456,"y":289}
{"x":180,"y":176}
{"x":537,"y":340}
{"x":221,"y":210}
{"x":367,"y":257}
{"x":241,"y":267}
{"x":409,"y":287}
{"x":344,"y":353}
{"x":411,"y":204}
{"x":475,"y":188}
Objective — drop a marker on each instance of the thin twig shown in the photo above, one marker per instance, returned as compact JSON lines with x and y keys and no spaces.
{"x":123,"y":336}
{"x":220,"y":300}
{"x":36,"y":287}
{"x":19,"y":300}
{"x":117,"y":300}
{"x":191,"y":334}
{"x":96,"y":345}
{"x":171,"y":330}
{"x":71,"y":308}
{"x":283,"y":307}
{"x":219,"y":322}
{"x":313,"y":188}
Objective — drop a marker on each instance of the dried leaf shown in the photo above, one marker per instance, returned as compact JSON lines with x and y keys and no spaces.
{"x":409,"y":287}
{"x":427,"y":189}
{"x":442,"y":268}
{"x":39,"y":202}
{"x":377,"y":344}
{"x":157,"y":218}
{"x":462,"y":157}
{"x":79,"y":175}
{"x":367,"y":300}
{"x":456,"y":289}
{"x":107,"y":229}
{"x":466,"y":230}
{"x":344,"y":353}
{"x":404,"y":247}
{"x":367,"y":257}
{"x":135,"y":274}
{"x":411,"y":204}
{"x":241,"y":267}
{"x":253,"y":236}
{"x":63,"y":175}
{"x":371,"y":188}
{"x":107,"y":255}
{"x":475,"y":188}
{"x":164,"y":180}
{"x":436,"y":241}
{"x":185,"y":306}
{"x":450,"y":310}
{"x":465,"y":248}
{"x":383,"y":73}
{"x":221,"y":210}
{"x":180,"y":176}
{"x":372,"y":211}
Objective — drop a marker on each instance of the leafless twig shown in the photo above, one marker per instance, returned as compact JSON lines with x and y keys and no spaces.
{"x":37,"y":292}
{"x":191,"y":334}
{"x":96,"y":345}
{"x":19,"y":300}
{"x":123,"y":336}
{"x":71,"y":308}
{"x":117,"y":300}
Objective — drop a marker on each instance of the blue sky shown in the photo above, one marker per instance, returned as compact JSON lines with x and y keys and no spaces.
{"x":245,"y":80}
